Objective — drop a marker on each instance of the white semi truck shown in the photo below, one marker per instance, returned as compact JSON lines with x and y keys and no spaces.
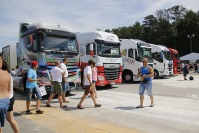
{"x":104,"y":49}
{"x":133,"y":51}
{"x":10,"y":55}
{"x":46,"y":43}
{"x":163,"y":65}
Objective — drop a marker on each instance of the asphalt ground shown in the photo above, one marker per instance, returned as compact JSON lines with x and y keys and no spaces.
{"x":176,"y":110}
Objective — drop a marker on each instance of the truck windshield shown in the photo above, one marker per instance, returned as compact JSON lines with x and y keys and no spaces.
{"x":145,"y":52}
{"x":167,"y":55}
{"x":60,"y":44}
{"x":108,"y":49}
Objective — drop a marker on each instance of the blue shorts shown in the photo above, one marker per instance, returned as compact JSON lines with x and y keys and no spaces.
{"x":65,"y":86}
{"x":4,"y":105}
{"x":145,"y":86}
{"x":35,"y":90}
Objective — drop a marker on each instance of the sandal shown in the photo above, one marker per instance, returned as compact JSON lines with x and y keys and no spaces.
{"x":48,"y":105}
{"x":152,"y":105}
{"x":64,"y":106}
{"x":66,"y":101}
{"x":98,"y":105}
{"x":138,"y":107}
{"x":79,"y":107}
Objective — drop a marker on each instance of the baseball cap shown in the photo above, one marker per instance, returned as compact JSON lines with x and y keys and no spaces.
{"x":34,"y":63}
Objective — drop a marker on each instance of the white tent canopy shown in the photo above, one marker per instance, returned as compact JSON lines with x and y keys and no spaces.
{"x":192,"y":57}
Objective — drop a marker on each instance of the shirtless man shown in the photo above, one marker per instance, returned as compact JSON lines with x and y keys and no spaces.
{"x":5,"y":83}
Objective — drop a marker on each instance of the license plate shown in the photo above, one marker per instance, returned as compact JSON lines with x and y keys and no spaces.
{"x":112,"y":83}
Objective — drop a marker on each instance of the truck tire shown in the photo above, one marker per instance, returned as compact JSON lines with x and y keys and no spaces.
{"x":128,"y":77}
{"x":156,"y":74}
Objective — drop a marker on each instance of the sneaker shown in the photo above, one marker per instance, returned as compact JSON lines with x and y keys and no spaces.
{"x":28,"y":112}
{"x":39,"y":111}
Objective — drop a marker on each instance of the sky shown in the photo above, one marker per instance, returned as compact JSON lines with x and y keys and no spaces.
{"x":80,"y":15}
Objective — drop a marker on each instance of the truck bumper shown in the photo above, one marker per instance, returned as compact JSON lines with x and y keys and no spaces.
{"x":104,"y":82}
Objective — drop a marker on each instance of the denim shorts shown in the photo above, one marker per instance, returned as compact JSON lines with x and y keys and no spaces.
{"x":32,"y":91}
{"x":65,"y":86}
{"x":146,"y":86}
{"x":4,"y":105}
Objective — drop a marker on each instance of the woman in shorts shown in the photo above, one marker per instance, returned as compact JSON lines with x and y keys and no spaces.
{"x":94,"y":79}
{"x":9,"y":115}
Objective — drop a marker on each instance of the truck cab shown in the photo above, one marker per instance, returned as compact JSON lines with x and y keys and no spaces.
{"x":163,"y":64}
{"x":104,"y":49}
{"x":46,"y":43}
{"x":133,"y":51}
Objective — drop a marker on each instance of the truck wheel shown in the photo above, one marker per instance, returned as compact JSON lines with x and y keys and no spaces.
{"x":156,"y":74}
{"x":128,"y":77}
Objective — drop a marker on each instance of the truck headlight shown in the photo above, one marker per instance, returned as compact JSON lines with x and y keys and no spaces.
{"x":100,"y":77}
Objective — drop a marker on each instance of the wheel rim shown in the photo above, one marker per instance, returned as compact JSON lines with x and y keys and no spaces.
{"x":128,"y":77}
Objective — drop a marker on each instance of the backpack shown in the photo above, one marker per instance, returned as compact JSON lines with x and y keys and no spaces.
{"x":191,"y":78}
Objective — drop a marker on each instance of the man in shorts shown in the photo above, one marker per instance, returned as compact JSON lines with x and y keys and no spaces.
{"x":56,"y":78}
{"x":32,"y":87}
{"x":5,"y":83}
{"x":146,"y":74}
{"x":9,"y":116}
{"x":87,"y":83}
{"x":65,"y":85}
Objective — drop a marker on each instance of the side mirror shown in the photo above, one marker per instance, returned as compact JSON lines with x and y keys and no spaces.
{"x":91,"y":49}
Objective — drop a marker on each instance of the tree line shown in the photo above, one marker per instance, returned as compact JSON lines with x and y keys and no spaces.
{"x":168,"y":27}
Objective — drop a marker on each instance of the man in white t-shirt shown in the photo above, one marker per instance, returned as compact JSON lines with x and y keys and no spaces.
{"x":65,"y":85}
{"x":87,"y":83}
{"x":56,"y":78}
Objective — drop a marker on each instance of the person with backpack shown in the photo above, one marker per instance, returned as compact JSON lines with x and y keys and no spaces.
{"x":185,"y":71}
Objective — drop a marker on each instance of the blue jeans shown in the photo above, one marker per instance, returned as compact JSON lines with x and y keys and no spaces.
{"x":146,"y":86}
{"x":4,"y":105}
{"x":35,"y":90}
{"x":65,"y":85}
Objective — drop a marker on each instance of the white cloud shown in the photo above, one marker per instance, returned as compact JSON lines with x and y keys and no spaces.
{"x":81,"y":15}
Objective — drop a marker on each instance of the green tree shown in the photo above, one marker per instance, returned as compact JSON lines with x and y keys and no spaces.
{"x":187,"y":26}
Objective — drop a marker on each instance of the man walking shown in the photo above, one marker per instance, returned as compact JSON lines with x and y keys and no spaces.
{"x":5,"y":83}
{"x":87,"y":83}
{"x":9,"y":116}
{"x":65,"y":85}
{"x":56,"y":77}
{"x":32,"y":87}
{"x":146,"y":74}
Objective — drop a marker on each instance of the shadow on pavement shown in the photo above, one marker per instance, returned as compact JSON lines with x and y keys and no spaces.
{"x":16,"y":114}
{"x":180,"y":80}
{"x":126,"y":108}
{"x":101,"y":88}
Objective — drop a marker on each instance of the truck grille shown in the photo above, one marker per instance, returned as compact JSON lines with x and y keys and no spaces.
{"x":72,"y":68}
{"x":111,"y":73}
